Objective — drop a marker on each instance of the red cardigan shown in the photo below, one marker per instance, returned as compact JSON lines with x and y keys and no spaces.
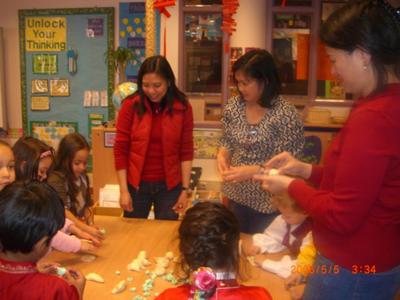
{"x":356,"y":210}
{"x":133,"y":136}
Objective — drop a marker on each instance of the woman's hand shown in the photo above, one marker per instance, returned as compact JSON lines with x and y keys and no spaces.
{"x":125,"y":201}
{"x":294,"y":279}
{"x":288,"y":165}
{"x":182,"y":203}
{"x":240,"y":173}
{"x":222,"y":161}
{"x":276,"y":184}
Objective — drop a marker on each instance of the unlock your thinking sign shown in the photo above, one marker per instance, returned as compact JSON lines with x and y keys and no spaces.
{"x":45,"y":34}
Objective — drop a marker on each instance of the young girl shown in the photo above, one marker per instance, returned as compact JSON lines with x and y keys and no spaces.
{"x":209,"y":237}
{"x":69,"y":179}
{"x":7,"y":165}
{"x":33,"y":160}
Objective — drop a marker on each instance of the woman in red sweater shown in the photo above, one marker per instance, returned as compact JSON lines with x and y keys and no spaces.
{"x":356,"y":205}
{"x":153,"y":149}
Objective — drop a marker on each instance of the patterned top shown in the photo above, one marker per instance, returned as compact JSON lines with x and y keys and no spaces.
{"x":279,"y":130}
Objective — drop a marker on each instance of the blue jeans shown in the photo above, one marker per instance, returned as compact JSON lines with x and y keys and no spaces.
{"x":153,"y":193}
{"x":250,"y":220}
{"x":342,"y":284}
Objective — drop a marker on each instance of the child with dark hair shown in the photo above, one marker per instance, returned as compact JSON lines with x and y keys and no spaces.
{"x":209,"y":237}
{"x":30,"y":216}
{"x":33,"y":160}
{"x":69,"y":179}
{"x":7,"y":165}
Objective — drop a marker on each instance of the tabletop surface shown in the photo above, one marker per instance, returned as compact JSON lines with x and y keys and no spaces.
{"x":124,"y":239}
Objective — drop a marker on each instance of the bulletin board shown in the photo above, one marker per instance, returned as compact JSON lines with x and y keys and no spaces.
{"x":66,"y":79}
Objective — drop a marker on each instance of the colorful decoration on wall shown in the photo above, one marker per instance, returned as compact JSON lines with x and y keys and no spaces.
{"x":52,"y":132}
{"x":132,"y":34}
{"x":161,"y":6}
{"x":150,"y":29}
{"x":229,"y":8}
{"x":72,"y":58}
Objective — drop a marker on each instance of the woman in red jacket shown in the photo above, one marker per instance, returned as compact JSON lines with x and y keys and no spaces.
{"x":356,"y":207}
{"x":153,"y":149}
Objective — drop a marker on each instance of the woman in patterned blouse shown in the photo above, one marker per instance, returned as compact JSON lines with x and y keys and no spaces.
{"x":257,"y":125}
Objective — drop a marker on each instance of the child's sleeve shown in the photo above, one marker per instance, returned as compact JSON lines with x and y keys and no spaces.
{"x":271,"y":240}
{"x":65,"y":243}
{"x":67,"y":224}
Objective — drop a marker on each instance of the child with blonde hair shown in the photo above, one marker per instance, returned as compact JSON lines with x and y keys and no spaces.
{"x":291,"y":232}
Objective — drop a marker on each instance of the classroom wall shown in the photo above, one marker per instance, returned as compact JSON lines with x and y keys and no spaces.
{"x":250,"y":33}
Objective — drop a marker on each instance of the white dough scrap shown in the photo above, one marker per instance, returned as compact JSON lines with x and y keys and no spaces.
{"x":119,"y":287}
{"x":169,"y":255}
{"x":162,"y":261}
{"x":94,"y":277}
{"x":159,"y":270}
{"x":273,"y":172}
{"x":134,"y":265}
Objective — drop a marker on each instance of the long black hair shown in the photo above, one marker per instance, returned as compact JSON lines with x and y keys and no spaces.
{"x":159,"y":65}
{"x":259,"y":65}
{"x":209,"y":237}
{"x":369,"y":25}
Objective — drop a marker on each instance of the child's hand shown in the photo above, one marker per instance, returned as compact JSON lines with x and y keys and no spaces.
{"x":249,"y":249}
{"x":84,"y":235}
{"x":87,"y":247}
{"x":293,"y":280}
{"x":259,"y":259}
{"x":47,"y":268}
{"x":76,"y":278}
{"x":297,"y":292}
{"x":95,"y":234}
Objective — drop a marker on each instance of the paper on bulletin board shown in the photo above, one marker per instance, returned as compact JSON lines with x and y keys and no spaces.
{"x":94,"y":120}
{"x":40,"y":103}
{"x":45,"y":33}
{"x":52,"y":132}
{"x":44,"y":64}
{"x":206,"y":143}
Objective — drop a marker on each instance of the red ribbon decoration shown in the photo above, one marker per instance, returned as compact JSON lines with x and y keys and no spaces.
{"x":161,"y":6}
{"x":229,"y":8}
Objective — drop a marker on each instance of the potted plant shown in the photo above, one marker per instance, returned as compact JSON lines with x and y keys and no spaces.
{"x":120,"y":58}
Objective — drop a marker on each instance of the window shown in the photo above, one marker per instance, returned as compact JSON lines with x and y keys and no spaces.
{"x":202,"y":53}
{"x":292,"y":38}
{"x":201,"y":63}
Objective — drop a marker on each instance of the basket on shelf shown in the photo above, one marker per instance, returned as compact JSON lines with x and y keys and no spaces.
{"x":318,"y":115}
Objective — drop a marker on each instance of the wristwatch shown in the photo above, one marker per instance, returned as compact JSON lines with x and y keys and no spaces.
{"x":187,"y":190}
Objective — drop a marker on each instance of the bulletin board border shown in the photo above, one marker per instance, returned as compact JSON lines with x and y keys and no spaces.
{"x":22,"y":14}
{"x":33,"y":124}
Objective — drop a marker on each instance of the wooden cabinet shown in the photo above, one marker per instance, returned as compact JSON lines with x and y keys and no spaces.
{"x":103,"y":159}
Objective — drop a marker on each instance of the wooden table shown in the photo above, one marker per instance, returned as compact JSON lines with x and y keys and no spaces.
{"x":124,"y":239}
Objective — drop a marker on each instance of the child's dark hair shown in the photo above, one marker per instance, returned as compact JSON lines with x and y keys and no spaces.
{"x":69,"y":146}
{"x":372,"y":26}
{"x":159,"y":64}
{"x":259,"y":65}
{"x":209,"y":237}
{"x":28,"y":212}
{"x":28,"y":151}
